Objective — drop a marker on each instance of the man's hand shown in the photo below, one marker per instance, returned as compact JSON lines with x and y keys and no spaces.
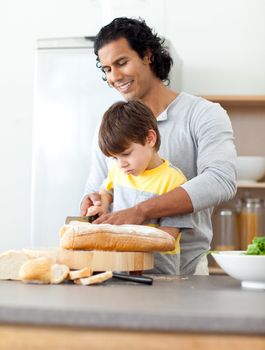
{"x":92,"y":199}
{"x":127,"y":216}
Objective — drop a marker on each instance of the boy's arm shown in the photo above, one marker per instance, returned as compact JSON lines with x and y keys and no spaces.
{"x":106,"y":200}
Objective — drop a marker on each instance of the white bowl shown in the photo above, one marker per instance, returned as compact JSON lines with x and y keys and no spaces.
{"x":250,"y":168}
{"x":249,"y":269}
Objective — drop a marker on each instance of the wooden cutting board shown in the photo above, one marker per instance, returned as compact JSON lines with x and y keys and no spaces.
{"x":96,"y":260}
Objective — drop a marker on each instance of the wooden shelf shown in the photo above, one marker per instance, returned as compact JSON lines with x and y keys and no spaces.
{"x":246,"y":184}
{"x":238,"y":100}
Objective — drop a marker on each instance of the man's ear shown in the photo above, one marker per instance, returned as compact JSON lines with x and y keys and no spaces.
{"x":151,"y":138}
{"x":147,"y":57}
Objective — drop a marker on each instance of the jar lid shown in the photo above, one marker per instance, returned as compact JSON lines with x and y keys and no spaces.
{"x":253,"y":203}
{"x":253,"y":200}
{"x":226,"y":212}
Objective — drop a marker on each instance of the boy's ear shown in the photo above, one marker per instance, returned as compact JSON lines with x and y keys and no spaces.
{"x":151,"y":138}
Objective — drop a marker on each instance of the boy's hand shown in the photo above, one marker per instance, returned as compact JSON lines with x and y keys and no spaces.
{"x":95,"y":209}
{"x":92,"y":199}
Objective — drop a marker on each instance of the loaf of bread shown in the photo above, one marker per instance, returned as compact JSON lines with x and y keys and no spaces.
{"x":120,"y":238}
{"x":10,"y":264}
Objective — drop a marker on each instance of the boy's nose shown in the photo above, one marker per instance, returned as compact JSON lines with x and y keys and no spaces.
{"x":123,"y":163}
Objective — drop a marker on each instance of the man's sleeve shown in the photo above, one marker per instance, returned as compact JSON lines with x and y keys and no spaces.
{"x":180,"y":221}
{"x":108,"y":182}
{"x":98,"y":168}
{"x":216,"y":161}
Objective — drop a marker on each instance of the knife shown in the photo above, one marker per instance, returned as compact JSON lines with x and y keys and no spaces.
{"x":89,"y":219}
{"x":130,"y":278}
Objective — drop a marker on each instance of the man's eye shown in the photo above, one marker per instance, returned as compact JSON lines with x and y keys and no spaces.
{"x":122,"y":63}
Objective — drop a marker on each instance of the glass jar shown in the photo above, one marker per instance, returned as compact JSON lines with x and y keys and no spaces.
{"x":228,"y":234}
{"x":251,"y":220}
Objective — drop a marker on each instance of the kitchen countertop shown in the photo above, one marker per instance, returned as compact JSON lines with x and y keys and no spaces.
{"x":208,"y":304}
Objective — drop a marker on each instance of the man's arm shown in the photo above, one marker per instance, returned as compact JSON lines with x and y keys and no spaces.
{"x":175,"y":202}
{"x":215,"y":182}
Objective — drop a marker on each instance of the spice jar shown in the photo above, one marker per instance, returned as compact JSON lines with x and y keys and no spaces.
{"x":251,"y":220}
{"x":227,"y":238}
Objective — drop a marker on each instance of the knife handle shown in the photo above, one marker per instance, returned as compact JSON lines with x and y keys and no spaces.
{"x":130,"y":278}
{"x":92,"y":218}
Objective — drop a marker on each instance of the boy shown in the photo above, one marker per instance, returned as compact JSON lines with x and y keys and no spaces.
{"x":129,"y":134}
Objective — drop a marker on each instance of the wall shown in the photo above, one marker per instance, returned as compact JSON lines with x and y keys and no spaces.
{"x":221,"y":45}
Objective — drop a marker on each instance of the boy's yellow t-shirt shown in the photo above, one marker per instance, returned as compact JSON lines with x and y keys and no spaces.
{"x":128,"y":190}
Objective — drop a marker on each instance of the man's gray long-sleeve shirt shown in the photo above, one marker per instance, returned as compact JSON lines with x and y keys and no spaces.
{"x":197,"y":137}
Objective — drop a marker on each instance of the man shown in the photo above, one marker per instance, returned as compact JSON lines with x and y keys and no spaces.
{"x":196,"y":136}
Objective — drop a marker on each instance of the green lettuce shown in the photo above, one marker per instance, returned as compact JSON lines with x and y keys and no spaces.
{"x":257,"y":247}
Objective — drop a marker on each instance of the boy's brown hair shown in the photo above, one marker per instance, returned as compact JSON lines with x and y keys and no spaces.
{"x":124,"y":123}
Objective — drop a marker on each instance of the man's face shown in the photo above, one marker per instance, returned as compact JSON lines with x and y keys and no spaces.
{"x":125,"y":70}
{"x":135,"y":159}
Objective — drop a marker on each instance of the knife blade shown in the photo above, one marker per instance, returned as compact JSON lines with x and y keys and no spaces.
{"x":89,"y":219}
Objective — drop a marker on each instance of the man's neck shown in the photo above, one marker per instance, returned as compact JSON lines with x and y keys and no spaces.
{"x":159,"y":98}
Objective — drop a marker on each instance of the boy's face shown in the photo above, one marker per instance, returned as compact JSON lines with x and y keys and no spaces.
{"x":137,"y":158}
{"x":125,"y":70}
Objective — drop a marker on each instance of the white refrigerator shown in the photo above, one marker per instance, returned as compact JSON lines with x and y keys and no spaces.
{"x":69,"y":100}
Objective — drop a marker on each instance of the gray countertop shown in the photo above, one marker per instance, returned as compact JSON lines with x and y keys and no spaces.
{"x":209,"y":304}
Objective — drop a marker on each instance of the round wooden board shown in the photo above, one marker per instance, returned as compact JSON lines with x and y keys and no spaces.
{"x":97,"y":260}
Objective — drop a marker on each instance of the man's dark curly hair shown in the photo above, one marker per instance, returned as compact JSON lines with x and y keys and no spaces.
{"x":141,"y":39}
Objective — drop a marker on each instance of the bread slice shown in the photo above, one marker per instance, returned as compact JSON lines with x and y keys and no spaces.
{"x":85,"y":272}
{"x":120,"y":238}
{"x":10,"y":264}
{"x":42,"y":270}
{"x":59,"y":273}
{"x":99,"y":278}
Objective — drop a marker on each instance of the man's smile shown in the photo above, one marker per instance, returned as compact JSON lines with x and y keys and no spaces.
{"x":123,"y":87}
